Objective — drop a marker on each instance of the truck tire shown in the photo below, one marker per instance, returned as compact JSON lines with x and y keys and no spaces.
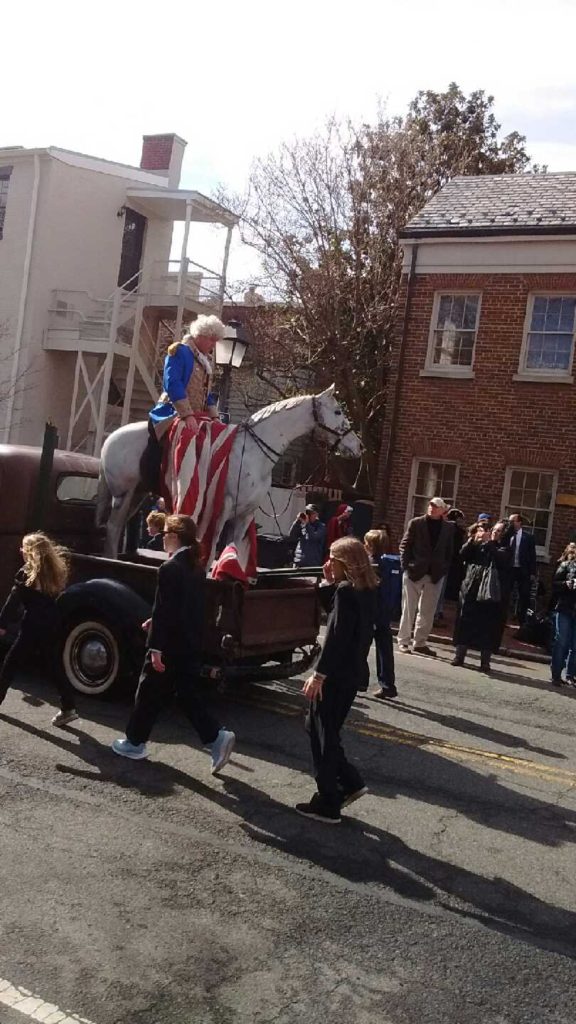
{"x":94,"y":657}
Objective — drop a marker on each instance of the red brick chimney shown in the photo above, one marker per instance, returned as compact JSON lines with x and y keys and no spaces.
{"x":163,"y":154}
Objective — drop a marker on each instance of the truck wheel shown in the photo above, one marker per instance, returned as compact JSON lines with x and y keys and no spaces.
{"x":93,"y":659}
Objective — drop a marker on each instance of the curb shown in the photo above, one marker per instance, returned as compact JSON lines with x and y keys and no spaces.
{"x":506,"y":652}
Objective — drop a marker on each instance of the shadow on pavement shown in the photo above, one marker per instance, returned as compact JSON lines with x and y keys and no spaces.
{"x":363,"y":853}
{"x":484,"y":732}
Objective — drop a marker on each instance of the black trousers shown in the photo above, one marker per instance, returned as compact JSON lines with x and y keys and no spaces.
{"x":45,"y":649}
{"x":384,"y":655}
{"x":485,"y":655}
{"x":335,"y":776}
{"x":521,"y":578}
{"x":156,"y":691}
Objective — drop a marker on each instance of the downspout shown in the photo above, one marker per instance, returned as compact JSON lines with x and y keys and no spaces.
{"x":23,"y":299}
{"x":385,"y":493}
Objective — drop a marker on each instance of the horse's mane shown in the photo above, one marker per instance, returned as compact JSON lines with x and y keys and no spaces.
{"x":269,"y":410}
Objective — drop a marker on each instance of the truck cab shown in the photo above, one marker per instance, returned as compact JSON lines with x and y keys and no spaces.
{"x":69,"y":505}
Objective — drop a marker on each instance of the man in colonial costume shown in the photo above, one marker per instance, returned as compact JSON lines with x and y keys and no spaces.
{"x":186,"y":376}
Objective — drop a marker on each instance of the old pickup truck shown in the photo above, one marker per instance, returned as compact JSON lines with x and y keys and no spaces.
{"x":267,"y":632}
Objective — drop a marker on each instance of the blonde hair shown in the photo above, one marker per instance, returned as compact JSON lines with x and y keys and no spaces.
{"x":202,"y":327}
{"x":569,"y":553}
{"x":352,"y":554}
{"x":377,"y":542}
{"x":45,"y":564}
{"x":157,"y":519}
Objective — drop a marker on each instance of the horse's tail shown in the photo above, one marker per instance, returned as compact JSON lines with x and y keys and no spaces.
{"x":103,"y":500}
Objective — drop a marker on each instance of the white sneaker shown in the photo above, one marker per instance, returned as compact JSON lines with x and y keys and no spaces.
{"x":65,"y":717}
{"x":222,"y":748}
{"x":404,"y":649}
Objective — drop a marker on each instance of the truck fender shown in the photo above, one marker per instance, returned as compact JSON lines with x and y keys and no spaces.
{"x":103,"y":641}
{"x":114,"y":601}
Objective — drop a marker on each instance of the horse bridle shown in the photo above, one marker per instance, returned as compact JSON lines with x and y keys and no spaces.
{"x":339,"y":435}
{"x":273,"y":455}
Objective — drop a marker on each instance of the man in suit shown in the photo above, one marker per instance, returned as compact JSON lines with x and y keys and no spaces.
{"x":523,"y":563}
{"x":426,"y":551}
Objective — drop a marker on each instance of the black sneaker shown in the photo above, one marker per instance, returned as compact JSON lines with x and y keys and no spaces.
{"x":317,"y":810}
{"x":386,"y":693}
{"x":557,"y":682}
{"x":424,"y":649}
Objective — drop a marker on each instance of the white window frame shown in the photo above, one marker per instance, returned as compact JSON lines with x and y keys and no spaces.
{"x":547,"y":375}
{"x":543,"y":552}
{"x":414,"y":478}
{"x":433,"y":369}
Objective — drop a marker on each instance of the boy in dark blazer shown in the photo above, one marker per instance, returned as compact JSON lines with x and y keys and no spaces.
{"x":172,"y":662}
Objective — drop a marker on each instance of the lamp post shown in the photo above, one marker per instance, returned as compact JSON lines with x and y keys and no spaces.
{"x":229,"y":353}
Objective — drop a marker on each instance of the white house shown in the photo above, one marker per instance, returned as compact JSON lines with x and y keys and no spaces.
{"x":86,"y":282}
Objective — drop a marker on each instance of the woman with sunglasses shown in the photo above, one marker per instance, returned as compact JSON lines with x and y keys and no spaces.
{"x":172,"y":662}
{"x":342,"y":669}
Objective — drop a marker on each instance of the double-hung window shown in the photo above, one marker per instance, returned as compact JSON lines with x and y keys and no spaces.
{"x":453,"y":334}
{"x":5,"y":173}
{"x":532,"y":493}
{"x":548,"y":346}
{"x":431,"y":479}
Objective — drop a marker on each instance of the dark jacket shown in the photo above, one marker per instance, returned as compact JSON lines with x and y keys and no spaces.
{"x":417,"y":555}
{"x":456,"y":570}
{"x":310,"y":541}
{"x":480,"y":623}
{"x":527,"y":553}
{"x":565,"y":597}
{"x":36,"y":614}
{"x":178,"y":612}
{"x":156,"y":543}
{"x":349,"y":635}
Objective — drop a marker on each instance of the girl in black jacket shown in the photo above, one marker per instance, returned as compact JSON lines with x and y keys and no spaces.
{"x":32,"y":603}
{"x":342,"y":669}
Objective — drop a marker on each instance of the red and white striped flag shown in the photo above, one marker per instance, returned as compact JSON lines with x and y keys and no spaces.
{"x":194,"y":474}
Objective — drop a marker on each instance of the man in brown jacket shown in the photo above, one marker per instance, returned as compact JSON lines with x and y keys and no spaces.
{"x":426,"y":551}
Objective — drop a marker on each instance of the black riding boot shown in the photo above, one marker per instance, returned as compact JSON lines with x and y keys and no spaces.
{"x":151,"y":462}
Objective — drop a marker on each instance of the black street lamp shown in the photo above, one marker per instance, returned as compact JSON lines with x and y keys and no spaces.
{"x":229,"y":353}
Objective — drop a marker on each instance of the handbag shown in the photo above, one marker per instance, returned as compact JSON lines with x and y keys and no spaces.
{"x":490,"y":589}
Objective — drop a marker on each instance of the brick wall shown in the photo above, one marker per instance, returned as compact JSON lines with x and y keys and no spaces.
{"x":487,"y":423}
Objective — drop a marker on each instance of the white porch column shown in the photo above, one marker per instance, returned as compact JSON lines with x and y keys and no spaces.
{"x":225,"y":267}
{"x":107,"y":373}
{"x":183,"y":274}
{"x":138,"y":316}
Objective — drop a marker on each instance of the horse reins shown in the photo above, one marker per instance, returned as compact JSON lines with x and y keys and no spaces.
{"x":339,"y":435}
{"x":273,"y":455}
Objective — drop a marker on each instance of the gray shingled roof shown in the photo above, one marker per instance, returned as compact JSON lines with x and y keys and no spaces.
{"x":500,"y":204}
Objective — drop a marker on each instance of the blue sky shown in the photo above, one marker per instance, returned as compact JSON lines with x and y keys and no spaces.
{"x":235,"y":79}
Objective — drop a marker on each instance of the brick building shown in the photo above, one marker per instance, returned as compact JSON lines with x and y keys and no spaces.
{"x":482,"y":403}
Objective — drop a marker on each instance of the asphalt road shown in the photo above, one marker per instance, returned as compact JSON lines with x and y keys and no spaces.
{"x":152,"y":893}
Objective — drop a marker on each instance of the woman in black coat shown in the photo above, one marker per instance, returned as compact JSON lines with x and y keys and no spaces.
{"x":341,"y":671}
{"x":480,"y":622}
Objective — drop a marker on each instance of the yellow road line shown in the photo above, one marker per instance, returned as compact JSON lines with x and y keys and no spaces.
{"x":404,"y":737}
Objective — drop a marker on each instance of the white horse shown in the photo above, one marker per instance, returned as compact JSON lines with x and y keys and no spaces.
{"x":259,"y":444}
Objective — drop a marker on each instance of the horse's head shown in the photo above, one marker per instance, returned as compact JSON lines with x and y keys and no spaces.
{"x":333,"y":427}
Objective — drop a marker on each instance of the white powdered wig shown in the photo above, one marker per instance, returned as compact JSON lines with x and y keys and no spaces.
{"x":205,"y":326}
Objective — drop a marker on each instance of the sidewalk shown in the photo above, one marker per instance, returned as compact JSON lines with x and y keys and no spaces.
{"x":511,"y":646}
